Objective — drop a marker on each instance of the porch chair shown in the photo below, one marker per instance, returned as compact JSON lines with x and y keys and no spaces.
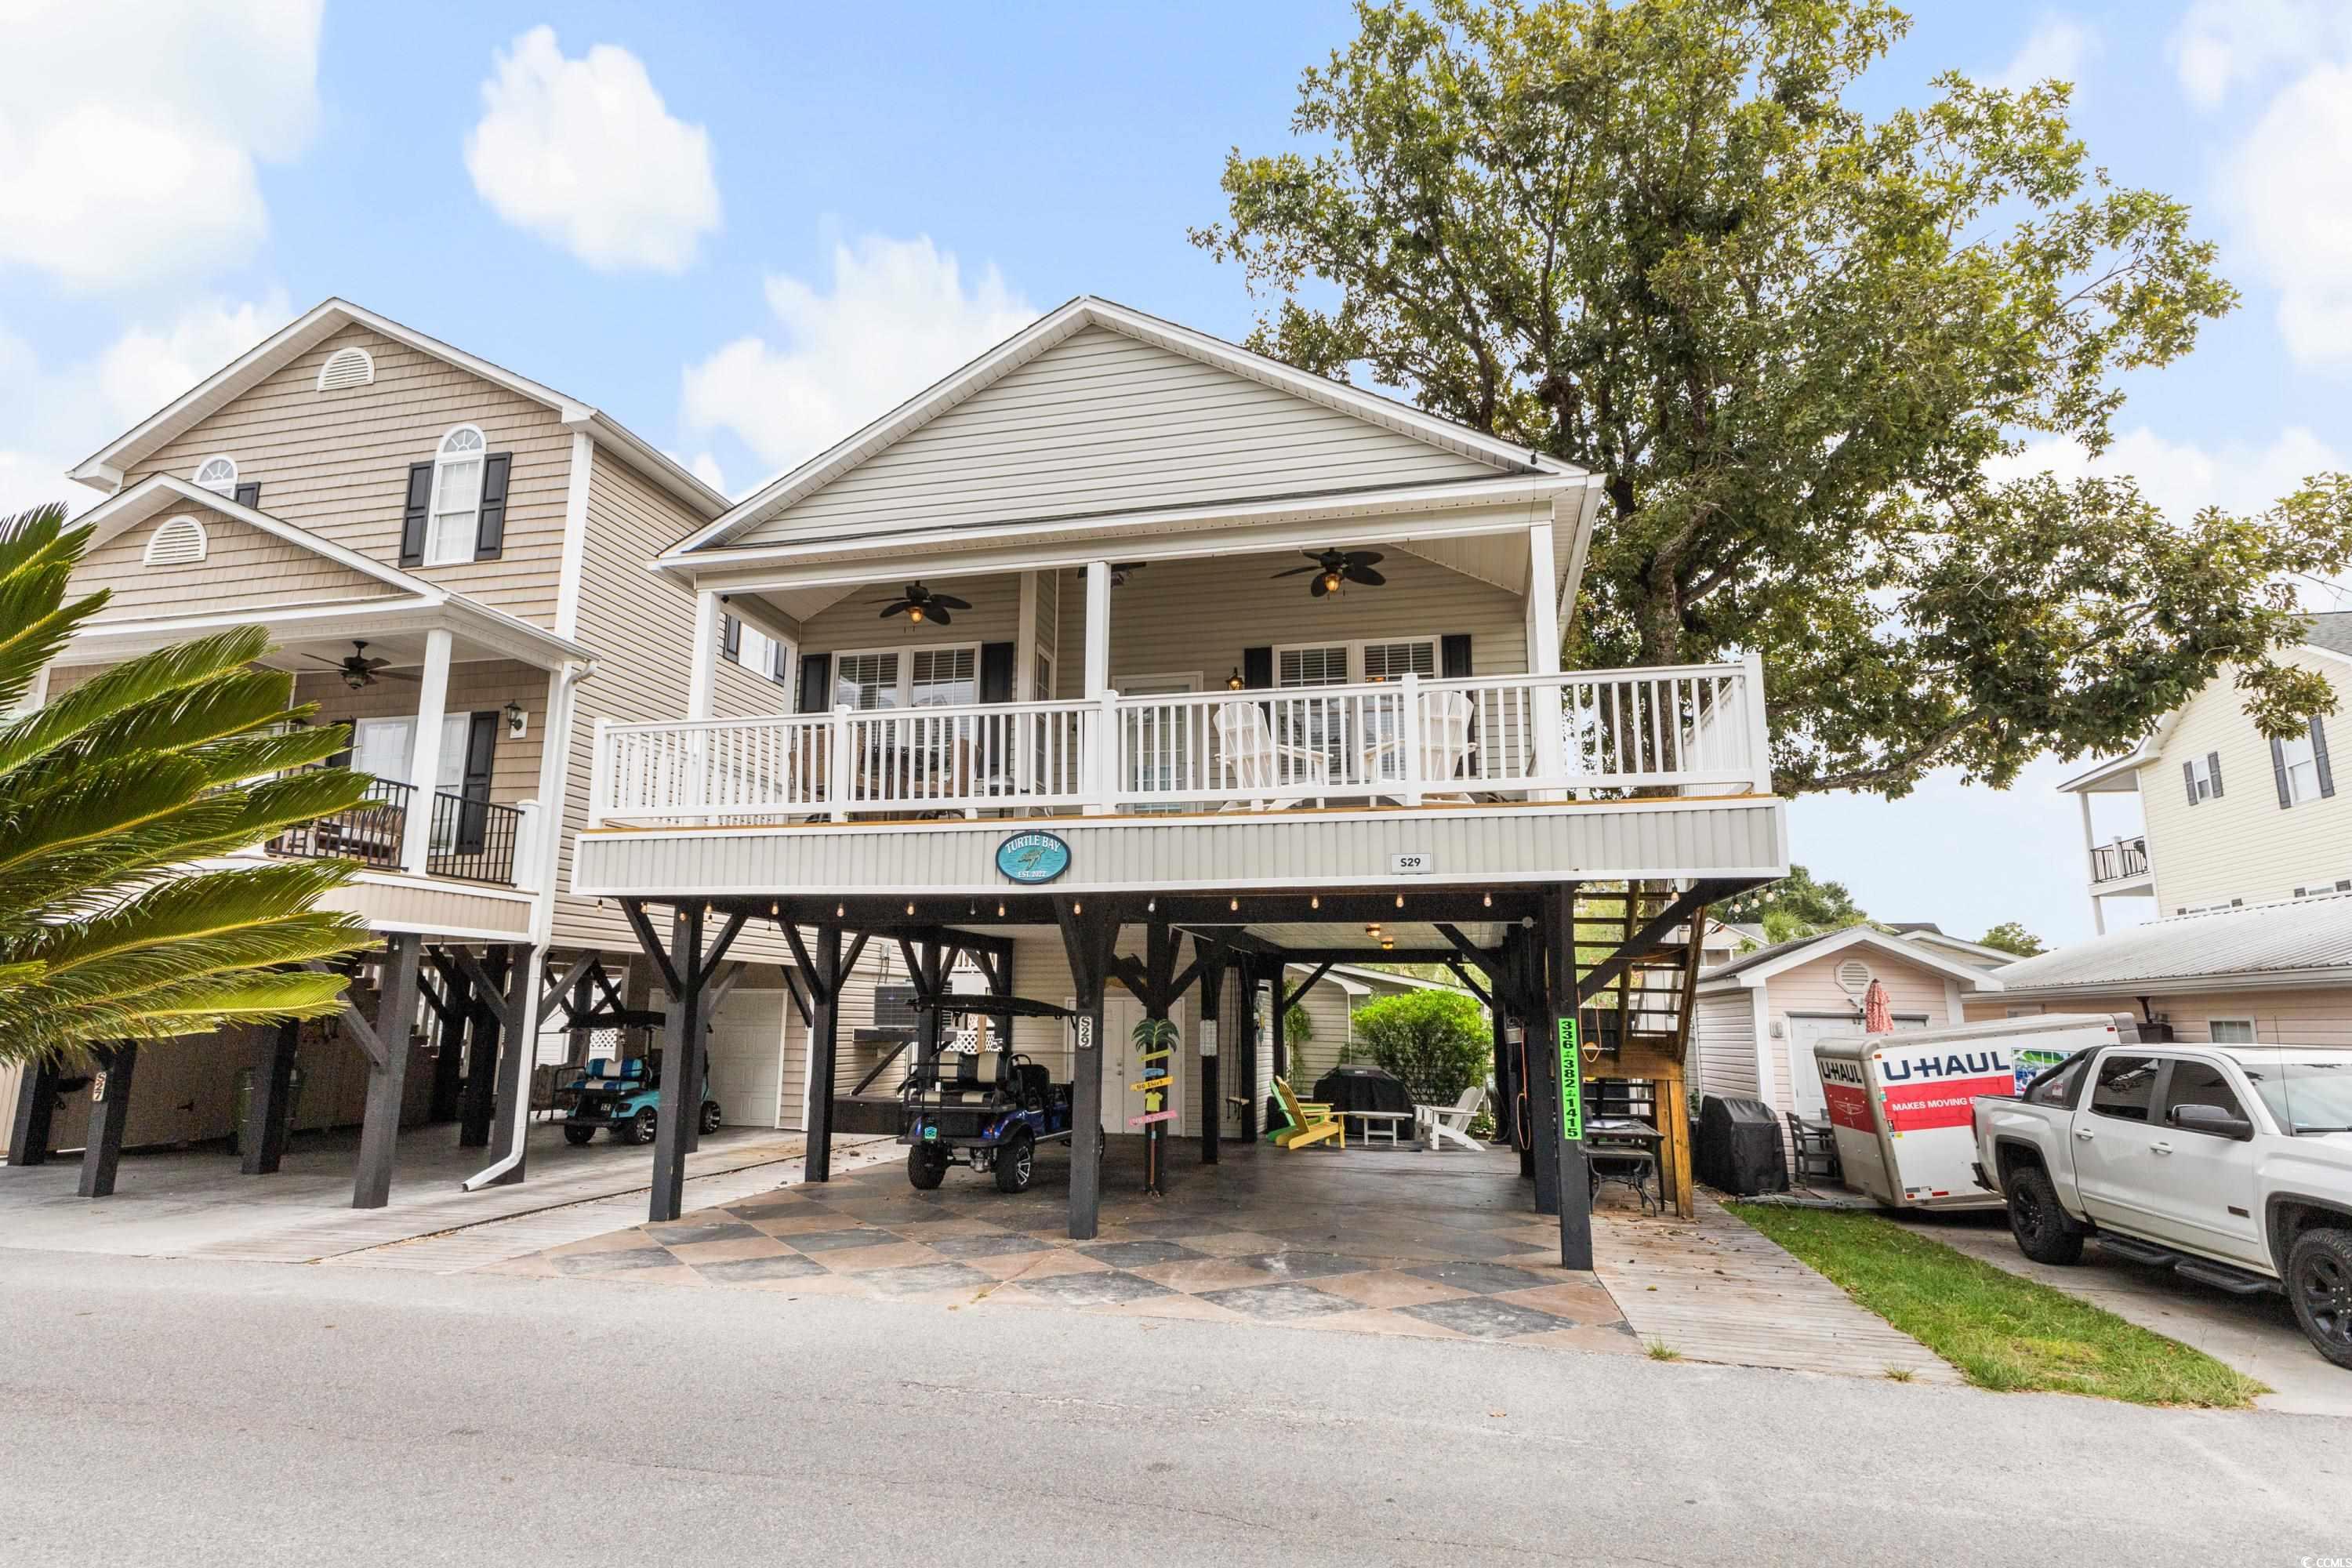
{"x":1444,"y":743}
{"x":1438,"y":1123}
{"x":1311,"y":1121}
{"x":1272,"y":771}
{"x":1812,"y":1150}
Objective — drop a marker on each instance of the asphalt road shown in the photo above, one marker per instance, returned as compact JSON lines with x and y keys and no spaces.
{"x":162,"y":1411}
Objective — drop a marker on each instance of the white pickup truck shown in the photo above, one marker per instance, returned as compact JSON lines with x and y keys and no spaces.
{"x":2231,"y":1163}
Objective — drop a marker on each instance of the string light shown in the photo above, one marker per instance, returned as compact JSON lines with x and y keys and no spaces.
{"x":1399,"y":900}
{"x":1000,"y":908}
{"x":1316,"y":902}
{"x":839,"y":911}
{"x":1076,"y":908}
{"x":1151,"y":906}
{"x":910,"y":906}
{"x":1232,"y":906}
{"x":1488,"y":901}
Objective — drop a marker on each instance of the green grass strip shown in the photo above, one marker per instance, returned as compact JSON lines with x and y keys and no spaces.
{"x":2002,"y":1331}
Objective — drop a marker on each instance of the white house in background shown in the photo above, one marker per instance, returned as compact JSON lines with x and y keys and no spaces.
{"x":1758,"y":1017}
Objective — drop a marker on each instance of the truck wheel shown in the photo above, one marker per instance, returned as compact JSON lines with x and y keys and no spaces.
{"x":1016,"y":1162}
{"x":2320,"y":1283}
{"x":927,"y":1166}
{"x":709,"y":1117}
{"x":640,"y":1127}
{"x":2044,"y":1232}
{"x":577,"y":1135}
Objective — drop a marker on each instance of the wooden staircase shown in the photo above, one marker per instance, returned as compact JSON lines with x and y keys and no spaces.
{"x":1637,"y":1025}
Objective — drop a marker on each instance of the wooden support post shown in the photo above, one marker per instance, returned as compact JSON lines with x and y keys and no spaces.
{"x":36,"y":1103}
{"x":1675,"y":1167}
{"x":1088,"y":938}
{"x":1543,"y":1082}
{"x":1562,"y":1064}
{"x":482,"y":1050}
{"x":1247,"y":1082}
{"x":681,"y":1081}
{"x":449,"y":1062}
{"x":262,"y":1139}
{"x":924,"y":971}
{"x":1497,"y":1017}
{"x":1212,"y":963}
{"x":110,"y":1114}
{"x":386,"y":1043}
{"x":519,"y":1027}
{"x":824,"y":972}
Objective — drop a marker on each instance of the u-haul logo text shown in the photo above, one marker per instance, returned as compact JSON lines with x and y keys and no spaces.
{"x":1956,"y":1064}
{"x":1835,"y":1071}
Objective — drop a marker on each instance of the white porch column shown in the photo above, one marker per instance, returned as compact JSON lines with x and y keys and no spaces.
{"x":1024,"y":645}
{"x":1103,"y":736}
{"x":425,"y":753}
{"x":2090,"y":875}
{"x":702,"y":673}
{"x":1543,"y":650}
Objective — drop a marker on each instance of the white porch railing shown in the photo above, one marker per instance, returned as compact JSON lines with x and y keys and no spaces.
{"x":1695,"y":730}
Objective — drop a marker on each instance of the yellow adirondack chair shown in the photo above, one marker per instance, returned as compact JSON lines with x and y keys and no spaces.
{"x":1311,"y":1121}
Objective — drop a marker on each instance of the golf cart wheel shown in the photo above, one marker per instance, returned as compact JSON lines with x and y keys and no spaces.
{"x":1016,"y":1163}
{"x":577,"y":1135}
{"x":2320,"y":1283}
{"x":639,"y":1129}
{"x":2043,"y":1230}
{"x":927,"y":1166}
{"x":710,"y":1115}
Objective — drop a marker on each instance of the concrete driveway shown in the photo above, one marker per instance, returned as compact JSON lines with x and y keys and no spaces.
{"x":2255,"y":1334}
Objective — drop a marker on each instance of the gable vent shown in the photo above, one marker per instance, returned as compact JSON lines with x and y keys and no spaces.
{"x":179,"y":542}
{"x":346,"y":368}
{"x":1854,"y":975}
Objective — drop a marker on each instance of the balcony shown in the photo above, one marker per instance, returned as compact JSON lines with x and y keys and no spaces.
{"x":471,"y":840}
{"x":2123,"y":860}
{"x":1588,"y":735}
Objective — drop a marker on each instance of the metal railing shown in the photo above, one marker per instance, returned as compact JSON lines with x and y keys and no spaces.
{"x":370,"y":832}
{"x":1692,"y":730}
{"x":2124,"y":857}
{"x":473,"y":840}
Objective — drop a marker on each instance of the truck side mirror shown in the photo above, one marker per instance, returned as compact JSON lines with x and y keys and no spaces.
{"x":2212,"y":1120}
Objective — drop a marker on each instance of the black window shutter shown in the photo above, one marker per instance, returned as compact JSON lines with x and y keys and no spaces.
{"x":2213,"y":772}
{"x":1454,"y":656}
{"x":2278,"y":772}
{"x":2188,"y":778}
{"x":731,"y":640}
{"x":2319,"y":756}
{"x":996,"y":672}
{"x":412,"y":513}
{"x":490,"y":533}
{"x":249,"y":493}
{"x":1257,"y":668}
{"x":481,"y":751}
{"x":816,"y":682}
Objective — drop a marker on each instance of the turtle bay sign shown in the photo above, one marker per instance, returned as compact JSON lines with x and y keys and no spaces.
{"x":1032,"y":857}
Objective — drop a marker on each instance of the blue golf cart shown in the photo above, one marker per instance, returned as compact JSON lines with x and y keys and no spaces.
{"x":988,"y":1107}
{"x":625,"y":1098}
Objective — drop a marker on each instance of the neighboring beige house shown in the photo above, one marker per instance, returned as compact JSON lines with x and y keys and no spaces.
{"x":1330,"y":1005}
{"x":2226,"y":815}
{"x":452,"y":557}
{"x":1759,"y":1017}
{"x":1927,"y":935}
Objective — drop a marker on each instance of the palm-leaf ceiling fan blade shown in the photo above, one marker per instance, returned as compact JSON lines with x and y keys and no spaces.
{"x":1365,"y":575}
{"x":897,"y":607}
{"x":1318,"y":587}
{"x":329,"y":663}
{"x":1364,"y":557}
{"x":936,"y":617}
{"x":1298,"y":571}
{"x":948,"y":601}
{"x":390,"y":675}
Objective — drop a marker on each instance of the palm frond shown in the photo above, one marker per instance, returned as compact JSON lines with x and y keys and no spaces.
{"x":146,"y":678}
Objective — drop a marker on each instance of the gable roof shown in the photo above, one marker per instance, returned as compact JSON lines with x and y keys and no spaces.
{"x":2331,"y":631}
{"x":126,"y":510}
{"x":104,"y":469}
{"x":1087,"y":310}
{"x":1748,"y":970}
{"x":2298,"y":941}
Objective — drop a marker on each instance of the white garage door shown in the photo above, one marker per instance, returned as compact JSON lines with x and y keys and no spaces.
{"x":747,"y":1059}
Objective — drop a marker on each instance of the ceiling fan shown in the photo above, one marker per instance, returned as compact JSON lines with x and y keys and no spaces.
{"x":1333,"y":567}
{"x":919,"y":604}
{"x":1121,"y":569}
{"x":360,"y":671}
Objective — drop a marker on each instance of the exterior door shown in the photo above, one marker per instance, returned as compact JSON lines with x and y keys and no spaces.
{"x":1120,"y":1066}
{"x":747,"y":1058}
{"x":2202,"y":1186}
{"x":2112,"y":1138}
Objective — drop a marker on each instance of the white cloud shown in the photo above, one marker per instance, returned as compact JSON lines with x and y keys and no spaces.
{"x":2221,"y":45}
{"x":899,"y":318}
{"x":54,"y":417}
{"x":2291,"y":188}
{"x":2057,"y":47}
{"x":129,"y":133}
{"x":2183,"y":478}
{"x":585,"y":154}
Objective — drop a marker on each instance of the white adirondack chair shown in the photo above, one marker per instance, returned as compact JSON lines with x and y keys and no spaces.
{"x":1441,"y":1123}
{"x":1270,"y":770}
{"x":1442,"y":740}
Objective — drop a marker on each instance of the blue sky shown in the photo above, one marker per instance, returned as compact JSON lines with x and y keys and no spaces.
{"x":744,"y":229}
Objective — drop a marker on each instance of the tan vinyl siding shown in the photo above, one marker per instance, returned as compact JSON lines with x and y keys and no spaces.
{"x":1102,"y":423}
{"x":2241,"y":846}
{"x":739,"y":691}
{"x":337,"y":463}
{"x":2320,"y":1016}
{"x":1177,"y":617}
{"x":1723,"y":1042}
{"x":474,"y":688}
{"x":242,"y":569}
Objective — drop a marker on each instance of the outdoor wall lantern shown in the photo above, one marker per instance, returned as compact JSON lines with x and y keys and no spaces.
{"x":1234,"y":681}
{"x":516,"y":721}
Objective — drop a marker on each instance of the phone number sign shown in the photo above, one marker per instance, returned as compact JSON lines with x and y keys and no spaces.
{"x":1571,"y":1085}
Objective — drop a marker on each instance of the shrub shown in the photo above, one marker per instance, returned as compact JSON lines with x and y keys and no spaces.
{"x":1437,"y":1042}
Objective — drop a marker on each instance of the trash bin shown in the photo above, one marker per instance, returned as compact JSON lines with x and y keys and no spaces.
{"x":1738,"y":1146}
{"x":245,"y":1105}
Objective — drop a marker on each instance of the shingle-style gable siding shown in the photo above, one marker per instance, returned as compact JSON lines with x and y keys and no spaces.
{"x":1103,"y":424}
{"x":2242,"y":846}
{"x":337,"y":462}
{"x":243,"y":568}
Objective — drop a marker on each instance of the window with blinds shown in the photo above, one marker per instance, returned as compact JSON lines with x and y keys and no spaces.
{"x":946,"y":677}
{"x":1312,"y":666}
{"x":1387,"y":660}
{"x":865,"y":680}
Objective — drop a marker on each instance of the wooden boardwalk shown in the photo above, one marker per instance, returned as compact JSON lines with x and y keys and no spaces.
{"x":1716,"y":1290}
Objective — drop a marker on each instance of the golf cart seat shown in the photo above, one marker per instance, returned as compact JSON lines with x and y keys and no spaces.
{"x":956,"y":1078}
{"x":1034,"y":1084}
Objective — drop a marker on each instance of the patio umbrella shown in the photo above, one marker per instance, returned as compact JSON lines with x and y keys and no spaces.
{"x":1878,"y":1013}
